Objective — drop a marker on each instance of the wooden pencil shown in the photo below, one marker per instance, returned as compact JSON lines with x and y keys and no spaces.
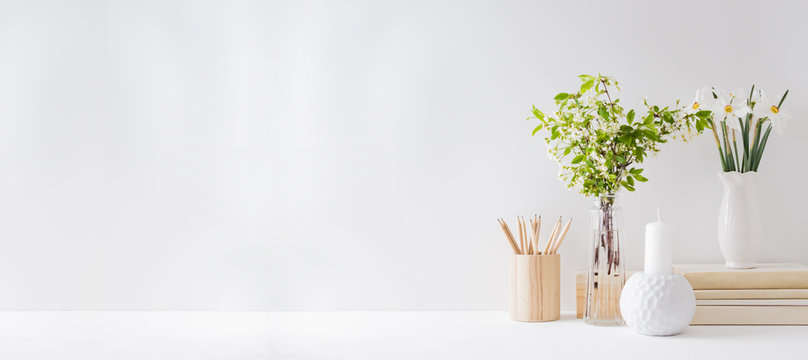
{"x":561,"y":237}
{"x":536,"y":231}
{"x":511,"y":238}
{"x":532,"y":231}
{"x":508,"y":235}
{"x":552,"y":236}
{"x":519,"y":246}
{"x":521,"y":236}
{"x":527,"y":242}
{"x":527,"y":237}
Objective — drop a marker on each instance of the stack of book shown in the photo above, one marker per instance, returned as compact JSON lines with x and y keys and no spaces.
{"x":771,"y":294}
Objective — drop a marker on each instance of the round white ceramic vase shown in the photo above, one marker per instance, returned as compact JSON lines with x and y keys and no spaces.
{"x":658,"y":305}
{"x":739,"y":219}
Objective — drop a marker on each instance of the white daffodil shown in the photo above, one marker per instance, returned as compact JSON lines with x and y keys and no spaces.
{"x":704,"y":101}
{"x":756,"y":95}
{"x":729,"y":107}
{"x":764,"y":109}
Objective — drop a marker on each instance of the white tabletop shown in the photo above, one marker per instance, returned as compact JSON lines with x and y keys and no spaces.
{"x":366,"y":335}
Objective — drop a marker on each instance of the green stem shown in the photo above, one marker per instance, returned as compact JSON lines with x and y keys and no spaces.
{"x":756,"y":145}
{"x":606,"y":90}
{"x":737,"y":155}
{"x":728,"y":150}
{"x":762,"y":147}
{"x":718,"y":145}
{"x":747,"y":159}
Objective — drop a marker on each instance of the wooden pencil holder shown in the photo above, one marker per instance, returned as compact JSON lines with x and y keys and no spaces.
{"x":535,"y":287}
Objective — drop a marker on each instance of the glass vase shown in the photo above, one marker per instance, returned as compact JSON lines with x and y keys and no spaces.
{"x":606,"y":273}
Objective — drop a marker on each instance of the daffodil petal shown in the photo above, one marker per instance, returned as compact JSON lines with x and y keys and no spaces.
{"x":779,"y":123}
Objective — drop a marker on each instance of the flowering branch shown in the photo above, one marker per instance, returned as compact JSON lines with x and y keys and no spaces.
{"x":596,"y":142}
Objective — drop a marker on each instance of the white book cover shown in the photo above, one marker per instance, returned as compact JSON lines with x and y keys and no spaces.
{"x":764,"y":276}
{"x":754,"y":302}
{"x":741,"y":294}
{"x":750,"y":315}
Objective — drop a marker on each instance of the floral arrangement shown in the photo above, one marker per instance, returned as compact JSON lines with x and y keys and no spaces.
{"x":736,"y":117}
{"x":597,"y":143}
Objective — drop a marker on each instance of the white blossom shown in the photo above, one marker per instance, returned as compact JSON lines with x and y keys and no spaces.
{"x":764,"y":109}
{"x":730,"y":107}
{"x":703,"y":101}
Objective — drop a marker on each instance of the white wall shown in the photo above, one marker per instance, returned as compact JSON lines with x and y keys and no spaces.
{"x":347,"y":155}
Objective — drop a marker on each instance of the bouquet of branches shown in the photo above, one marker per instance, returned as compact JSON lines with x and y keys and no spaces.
{"x":597,"y":143}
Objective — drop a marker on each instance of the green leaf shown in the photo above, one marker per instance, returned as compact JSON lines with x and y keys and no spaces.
{"x":588,"y":84}
{"x":630,"y":116}
{"x":586,"y":78}
{"x":628,"y":187}
{"x":640,"y":178}
{"x":536,"y":129}
{"x":704,"y":113}
{"x":706,"y":124}
{"x":603,"y":113}
{"x":578,"y":159}
{"x":749,"y":100}
{"x":561,"y":96}
{"x":782,"y":99}
{"x":635,"y":171}
{"x":537,"y":113}
{"x":630,"y":180}
{"x":620,"y":159}
{"x":759,"y":154}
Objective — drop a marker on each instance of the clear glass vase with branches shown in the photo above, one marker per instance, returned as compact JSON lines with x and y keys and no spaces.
{"x":598,"y":145}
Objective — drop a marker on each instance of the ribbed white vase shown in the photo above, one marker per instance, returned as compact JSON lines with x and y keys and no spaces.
{"x":739,"y":229}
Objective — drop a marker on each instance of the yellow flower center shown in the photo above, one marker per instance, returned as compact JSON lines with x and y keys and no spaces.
{"x":728,"y":109}
{"x":695,"y":105}
{"x":775,"y":109}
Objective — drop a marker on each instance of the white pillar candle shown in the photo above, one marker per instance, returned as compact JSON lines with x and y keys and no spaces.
{"x":658,"y":247}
